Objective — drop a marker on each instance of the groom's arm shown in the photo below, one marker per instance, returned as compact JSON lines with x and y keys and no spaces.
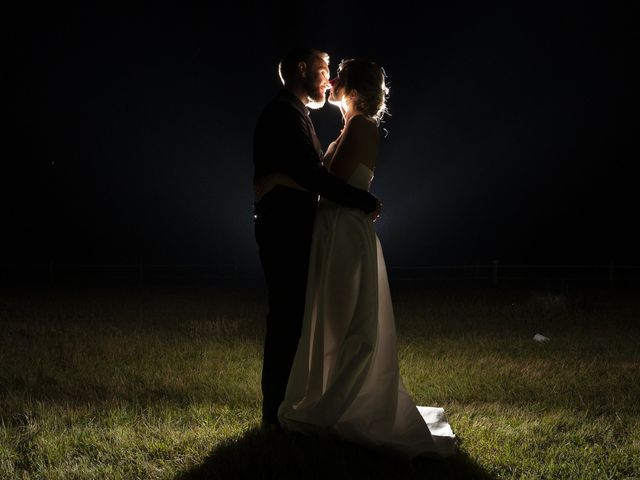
{"x":319,"y":181}
{"x":301,"y":163}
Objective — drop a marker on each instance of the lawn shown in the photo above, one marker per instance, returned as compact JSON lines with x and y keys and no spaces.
{"x":164,"y":383}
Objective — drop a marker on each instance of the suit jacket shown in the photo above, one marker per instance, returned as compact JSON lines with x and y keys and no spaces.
{"x":285,"y":142}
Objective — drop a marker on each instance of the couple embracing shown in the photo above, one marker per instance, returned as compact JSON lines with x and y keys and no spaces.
{"x":330,"y":362}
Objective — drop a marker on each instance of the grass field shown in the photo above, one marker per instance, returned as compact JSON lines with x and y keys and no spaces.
{"x":164,"y":383}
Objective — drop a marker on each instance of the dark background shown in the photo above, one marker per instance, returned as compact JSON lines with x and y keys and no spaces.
{"x":127,"y":134}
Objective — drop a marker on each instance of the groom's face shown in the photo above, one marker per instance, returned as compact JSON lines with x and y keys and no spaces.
{"x":316,"y":82}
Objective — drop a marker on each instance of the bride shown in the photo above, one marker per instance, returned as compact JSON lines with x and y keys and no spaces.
{"x":345,"y":378}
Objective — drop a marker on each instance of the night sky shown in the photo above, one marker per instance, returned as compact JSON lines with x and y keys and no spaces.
{"x":512,"y":132}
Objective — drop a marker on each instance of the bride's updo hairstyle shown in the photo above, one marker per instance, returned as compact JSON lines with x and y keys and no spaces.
{"x":368,"y":79}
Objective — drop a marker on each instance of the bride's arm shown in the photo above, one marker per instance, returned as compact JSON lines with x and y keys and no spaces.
{"x":267,"y":183}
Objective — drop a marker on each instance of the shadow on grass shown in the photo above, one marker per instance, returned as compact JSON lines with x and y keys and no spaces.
{"x":260,"y":454}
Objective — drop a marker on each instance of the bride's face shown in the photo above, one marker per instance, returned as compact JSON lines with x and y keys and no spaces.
{"x":339,"y":97}
{"x":336,"y":94}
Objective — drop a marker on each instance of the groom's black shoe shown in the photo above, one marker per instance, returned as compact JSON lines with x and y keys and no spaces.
{"x":271,"y":426}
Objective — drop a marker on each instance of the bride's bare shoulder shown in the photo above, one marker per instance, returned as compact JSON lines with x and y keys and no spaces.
{"x":363,"y":125}
{"x":359,"y":144}
{"x":362,"y":132}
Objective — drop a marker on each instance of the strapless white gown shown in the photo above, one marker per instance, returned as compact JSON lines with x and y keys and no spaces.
{"x":345,"y":378}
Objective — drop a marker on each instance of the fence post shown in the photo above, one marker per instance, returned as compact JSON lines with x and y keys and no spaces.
{"x":495,"y":272}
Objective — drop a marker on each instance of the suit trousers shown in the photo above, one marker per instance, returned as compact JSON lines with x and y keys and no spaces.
{"x":284,"y":242}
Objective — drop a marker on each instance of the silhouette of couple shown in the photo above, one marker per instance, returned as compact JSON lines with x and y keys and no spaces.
{"x":330,"y":362}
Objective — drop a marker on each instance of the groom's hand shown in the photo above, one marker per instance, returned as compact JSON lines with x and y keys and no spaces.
{"x":375,"y":215}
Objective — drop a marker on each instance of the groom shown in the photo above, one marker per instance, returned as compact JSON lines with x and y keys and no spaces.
{"x":285,"y":142}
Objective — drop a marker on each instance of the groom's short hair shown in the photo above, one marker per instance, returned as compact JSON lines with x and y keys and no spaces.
{"x":288,"y":66}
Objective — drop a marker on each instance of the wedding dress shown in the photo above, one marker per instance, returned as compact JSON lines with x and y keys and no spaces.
{"x":345,"y":378}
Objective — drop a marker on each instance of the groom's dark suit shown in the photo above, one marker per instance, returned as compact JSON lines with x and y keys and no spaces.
{"x":285,"y":142}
